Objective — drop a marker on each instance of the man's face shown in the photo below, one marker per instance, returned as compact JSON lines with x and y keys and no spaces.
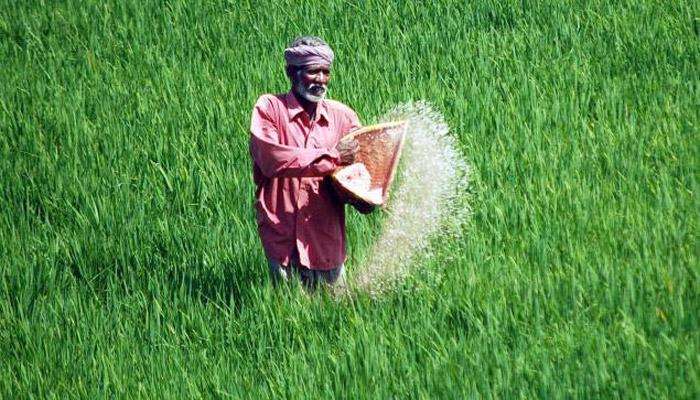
{"x":311,"y":82}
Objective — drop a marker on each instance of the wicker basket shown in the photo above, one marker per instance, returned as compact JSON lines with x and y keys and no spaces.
{"x":380,"y":150}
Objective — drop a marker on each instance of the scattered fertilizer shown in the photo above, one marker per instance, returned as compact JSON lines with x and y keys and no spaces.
{"x":428,"y":200}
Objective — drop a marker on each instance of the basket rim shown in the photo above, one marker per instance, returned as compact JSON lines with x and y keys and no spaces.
{"x":374,"y":127}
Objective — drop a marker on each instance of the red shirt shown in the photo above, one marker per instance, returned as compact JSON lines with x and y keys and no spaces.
{"x":298,"y":213}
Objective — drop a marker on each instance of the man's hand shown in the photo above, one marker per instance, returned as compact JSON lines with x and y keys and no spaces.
{"x":361,"y":207}
{"x":347,"y":149}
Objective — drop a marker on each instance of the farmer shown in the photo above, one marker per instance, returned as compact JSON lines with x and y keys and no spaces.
{"x":295,"y":146}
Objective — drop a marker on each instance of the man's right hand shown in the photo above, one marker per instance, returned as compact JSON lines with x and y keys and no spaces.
{"x":347,"y":149}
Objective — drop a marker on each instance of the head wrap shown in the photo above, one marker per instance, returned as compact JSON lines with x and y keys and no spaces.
{"x":303,"y":55}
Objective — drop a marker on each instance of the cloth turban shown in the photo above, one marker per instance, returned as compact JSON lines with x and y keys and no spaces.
{"x":303,"y":55}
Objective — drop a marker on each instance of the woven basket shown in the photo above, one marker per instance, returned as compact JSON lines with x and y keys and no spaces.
{"x":380,"y":150}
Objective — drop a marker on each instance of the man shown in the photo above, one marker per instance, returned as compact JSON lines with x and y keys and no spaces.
{"x":295,"y":146}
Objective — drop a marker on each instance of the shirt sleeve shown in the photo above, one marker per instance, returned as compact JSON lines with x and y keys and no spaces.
{"x":352,"y":123}
{"x":277,"y":160}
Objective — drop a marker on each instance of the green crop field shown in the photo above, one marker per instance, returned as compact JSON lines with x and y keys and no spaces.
{"x":130,"y":265}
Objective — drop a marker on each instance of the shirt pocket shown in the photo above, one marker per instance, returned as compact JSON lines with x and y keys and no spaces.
{"x":315,"y":142}
{"x":325,"y":137}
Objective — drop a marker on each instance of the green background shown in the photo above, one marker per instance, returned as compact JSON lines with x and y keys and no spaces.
{"x":129,"y":260}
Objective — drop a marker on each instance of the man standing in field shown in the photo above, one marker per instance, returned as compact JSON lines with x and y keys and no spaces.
{"x":294,"y":143}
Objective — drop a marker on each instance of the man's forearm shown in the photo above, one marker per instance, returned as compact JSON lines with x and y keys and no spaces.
{"x":285,"y":161}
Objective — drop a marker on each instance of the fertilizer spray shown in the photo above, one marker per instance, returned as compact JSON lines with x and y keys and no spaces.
{"x":428,"y":200}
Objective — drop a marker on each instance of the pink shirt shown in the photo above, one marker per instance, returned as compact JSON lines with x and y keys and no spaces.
{"x":297,"y":210}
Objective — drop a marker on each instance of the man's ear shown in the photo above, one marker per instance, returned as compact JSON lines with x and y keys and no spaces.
{"x":291,"y":71}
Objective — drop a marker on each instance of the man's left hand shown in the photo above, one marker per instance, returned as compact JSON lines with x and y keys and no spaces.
{"x":347,"y":149}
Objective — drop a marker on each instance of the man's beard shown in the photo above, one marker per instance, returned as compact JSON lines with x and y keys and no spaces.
{"x":314,"y":92}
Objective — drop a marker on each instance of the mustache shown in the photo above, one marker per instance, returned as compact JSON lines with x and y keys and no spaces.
{"x":317,"y":86}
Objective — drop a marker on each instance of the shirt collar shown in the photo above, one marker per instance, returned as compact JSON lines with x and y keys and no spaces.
{"x":295,"y":108}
